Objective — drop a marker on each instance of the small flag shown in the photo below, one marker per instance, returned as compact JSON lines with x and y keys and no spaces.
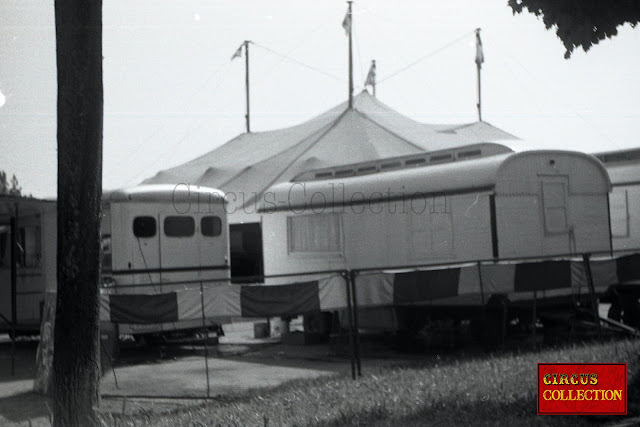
{"x":346,"y":23}
{"x":238,"y":53}
{"x":371,"y":77}
{"x":479,"y":52}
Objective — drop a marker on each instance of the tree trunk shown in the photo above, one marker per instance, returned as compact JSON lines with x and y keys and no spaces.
{"x":42,"y":383}
{"x":80,"y":107}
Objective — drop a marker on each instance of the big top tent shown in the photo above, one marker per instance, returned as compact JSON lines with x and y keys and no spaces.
{"x":252,"y":162}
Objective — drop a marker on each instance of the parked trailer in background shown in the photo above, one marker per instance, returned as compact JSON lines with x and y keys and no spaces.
{"x":35,"y":260}
{"x":624,"y":203}
{"x":164,"y":247}
{"x":525,"y":207}
{"x":624,"y":170}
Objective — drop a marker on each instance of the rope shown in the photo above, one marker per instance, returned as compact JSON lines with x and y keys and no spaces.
{"x":289,"y":58}
{"x":170,"y":150}
{"x":428,"y":55}
{"x":187,"y":99}
{"x":532,"y":78}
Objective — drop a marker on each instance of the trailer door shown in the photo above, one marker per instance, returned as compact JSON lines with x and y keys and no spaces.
{"x":180,"y":249}
{"x":556,"y":221}
{"x":135,"y":244}
{"x":212,"y":236}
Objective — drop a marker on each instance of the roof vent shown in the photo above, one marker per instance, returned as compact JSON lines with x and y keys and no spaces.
{"x":469,"y":153}
{"x":415,"y":162}
{"x":367,"y":169}
{"x":344,"y":172}
{"x":391,"y":165}
{"x":441,"y":157}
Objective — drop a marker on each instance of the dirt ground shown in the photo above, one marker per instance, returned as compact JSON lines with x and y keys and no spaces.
{"x":164,"y":377}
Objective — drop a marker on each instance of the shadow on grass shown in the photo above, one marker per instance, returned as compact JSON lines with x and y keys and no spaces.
{"x":25,"y":361}
{"x":20,"y":408}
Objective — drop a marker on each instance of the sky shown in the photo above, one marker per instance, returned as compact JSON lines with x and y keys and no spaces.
{"x":172,"y":93}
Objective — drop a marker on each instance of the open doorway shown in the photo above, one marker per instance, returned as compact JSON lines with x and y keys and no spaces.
{"x":246,"y":252}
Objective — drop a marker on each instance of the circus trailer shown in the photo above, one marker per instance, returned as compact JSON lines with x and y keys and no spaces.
{"x":164,"y":248}
{"x":27,"y":261}
{"x":624,"y":206}
{"x":624,"y":170}
{"x":442,"y":228}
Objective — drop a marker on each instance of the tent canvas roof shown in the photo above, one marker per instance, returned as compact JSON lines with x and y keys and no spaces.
{"x":252,"y":162}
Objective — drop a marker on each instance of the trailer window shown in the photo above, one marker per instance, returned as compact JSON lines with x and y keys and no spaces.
{"x":315,"y":233}
{"x":211,"y":226}
{"x":179,"y":226}
{"x":144,"y":226}
{"x":29,"y":249}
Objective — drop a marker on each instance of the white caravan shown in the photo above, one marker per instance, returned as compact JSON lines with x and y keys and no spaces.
{"x":163,"y":245}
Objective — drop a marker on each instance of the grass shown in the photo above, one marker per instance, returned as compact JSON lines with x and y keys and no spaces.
{"x":487,"y":390}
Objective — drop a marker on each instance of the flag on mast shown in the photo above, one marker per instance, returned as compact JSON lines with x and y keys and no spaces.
{"x":238,"y":53}
{"x":371,"y":76}
{"x":479,"y":52}
{"x":346,"y":23}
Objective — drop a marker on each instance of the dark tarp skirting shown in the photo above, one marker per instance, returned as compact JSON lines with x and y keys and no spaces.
{"x":628,"y":268}
{"x":418,"y":286}
{"x":265,"y":301}
{"x":144,"y":309}
{"x":542,"y":276}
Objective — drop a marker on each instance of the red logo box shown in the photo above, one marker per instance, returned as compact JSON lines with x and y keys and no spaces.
{"x":582,"y":389}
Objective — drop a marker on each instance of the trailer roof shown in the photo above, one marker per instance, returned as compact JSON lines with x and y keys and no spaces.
{"x":25,"y":206}
{"x":448,"y":178}
{"x":467,"y":152}
{"x":628,"y":173}
{"x":161,"y":193}
{"x":625,"y":156}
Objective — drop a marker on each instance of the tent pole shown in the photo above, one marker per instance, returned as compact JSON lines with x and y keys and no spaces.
{"x":479,"y":96}
{"x":479,"y":61}
{"x":206,"y":338}
{"x":352,"y":279}
{"x":350,"y":58}
{"x":534,"y":319}
{"x":14,"y":279}
{"x":373,"y":80}
{"x":246,"y":55}
{"x":484,"y":306}
{"x":347,"y":281}
{"x":592,"y":292}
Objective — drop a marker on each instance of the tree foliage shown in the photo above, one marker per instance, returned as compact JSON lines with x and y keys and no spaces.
{"x":582,"y":23}
{"x":12,"y":187}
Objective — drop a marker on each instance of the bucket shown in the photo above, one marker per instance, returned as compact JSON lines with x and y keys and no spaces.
{"x":279,"y":327}
{"x":261,"y":330}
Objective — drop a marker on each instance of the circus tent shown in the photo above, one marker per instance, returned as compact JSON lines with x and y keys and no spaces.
{"x":252,"y":162}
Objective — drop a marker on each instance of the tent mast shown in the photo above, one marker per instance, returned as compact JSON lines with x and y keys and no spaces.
{"x":479,"y":61}
{"x":246,"y":54}
{"x":350,"y":56}
{"x":373,"y":84}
